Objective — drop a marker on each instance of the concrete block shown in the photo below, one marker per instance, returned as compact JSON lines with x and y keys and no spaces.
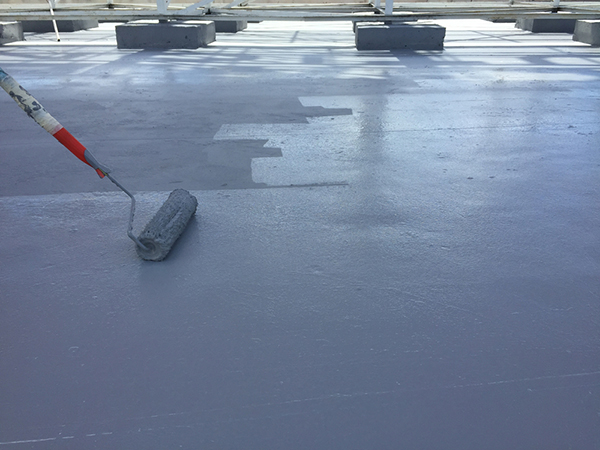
{"x":10,"y":32}
{"x":45,"y":26}
{"x":230,"y":26}
{"x":379,"y":36}
{"x":146,"y":34}
{"x":546,"y":25}
{"x":356,"y":22}
{"x":587,"y":31}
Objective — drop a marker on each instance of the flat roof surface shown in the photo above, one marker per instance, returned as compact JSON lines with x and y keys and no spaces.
{"x":391,"y":250}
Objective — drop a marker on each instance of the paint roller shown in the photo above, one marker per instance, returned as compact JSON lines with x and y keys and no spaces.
{"x":160,"y":234}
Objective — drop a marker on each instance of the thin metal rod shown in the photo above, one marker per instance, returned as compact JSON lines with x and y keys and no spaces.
{"x":50,"y":2}
{"x":131,"y":214}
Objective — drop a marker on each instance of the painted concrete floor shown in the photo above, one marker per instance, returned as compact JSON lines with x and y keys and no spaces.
{"x":391,"y":250}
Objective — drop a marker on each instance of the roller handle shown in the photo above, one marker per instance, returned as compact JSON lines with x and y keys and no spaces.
{"x":37,"y":112}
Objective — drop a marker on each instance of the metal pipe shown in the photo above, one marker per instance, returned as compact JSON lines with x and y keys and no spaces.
{"x":389,"y":7}
{"x":51,"y":4}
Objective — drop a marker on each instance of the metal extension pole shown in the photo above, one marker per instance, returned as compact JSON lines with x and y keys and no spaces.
{"x":131,"y":212}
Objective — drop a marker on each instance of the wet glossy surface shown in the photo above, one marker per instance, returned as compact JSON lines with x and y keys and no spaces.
{"x":391,"y":251}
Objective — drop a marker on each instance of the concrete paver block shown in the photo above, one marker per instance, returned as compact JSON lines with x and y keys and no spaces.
{"x":546,"y":25}
{"x":143,"y":34}
{"x":355,"y":23}
{"x":380,"y":36}
{"x":230,"y":26}
{"x":10,"y":32}
{"x":587,"y":31}
{"x":46,"y":26}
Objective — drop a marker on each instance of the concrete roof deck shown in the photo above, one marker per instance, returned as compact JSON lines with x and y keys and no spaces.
{"x":391,"y":251}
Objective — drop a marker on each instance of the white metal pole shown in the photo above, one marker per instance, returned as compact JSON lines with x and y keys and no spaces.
{"x":389,"y":7}
{"x":161,"y":6}
{"x":51,"y":4}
